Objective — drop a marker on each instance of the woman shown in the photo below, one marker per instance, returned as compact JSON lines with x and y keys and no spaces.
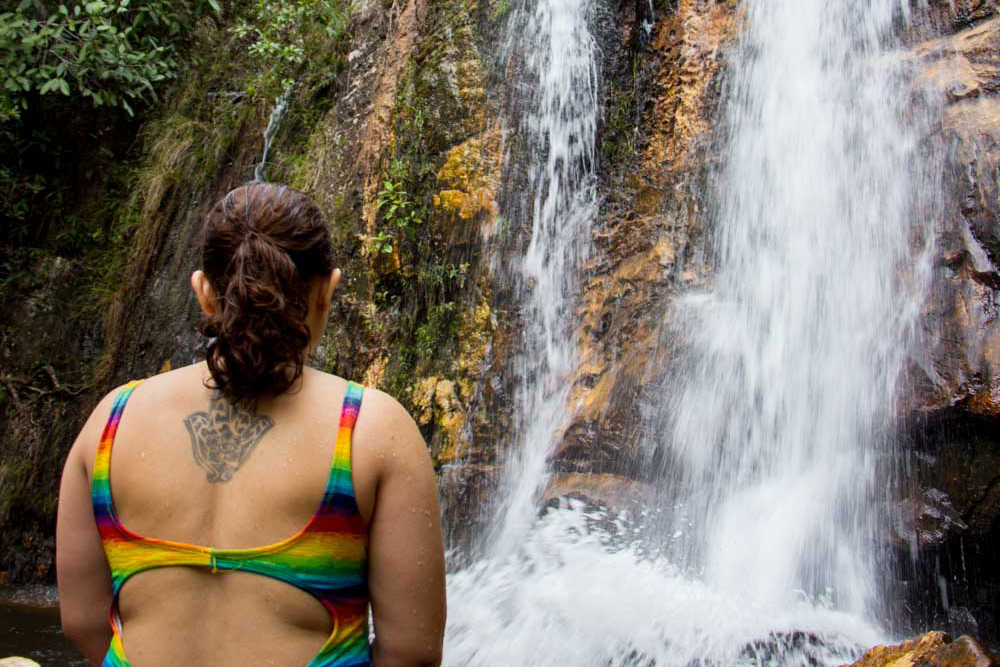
{"x":258,"y":504}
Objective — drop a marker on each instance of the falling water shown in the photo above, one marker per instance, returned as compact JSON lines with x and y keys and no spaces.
{"x":778,"y":429}
{"x":561,"y":122}
{"x":273,"y":123}
{"x":773,"y":432}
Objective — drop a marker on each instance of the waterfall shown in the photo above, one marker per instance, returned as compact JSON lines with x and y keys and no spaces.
{"x":777,"y":427}
{"x":560,"y":123}
{"x":773,"y":422}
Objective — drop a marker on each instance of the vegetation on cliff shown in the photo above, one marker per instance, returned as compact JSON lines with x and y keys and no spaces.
{"x":102,"y":208}
{"x":115,"y":117}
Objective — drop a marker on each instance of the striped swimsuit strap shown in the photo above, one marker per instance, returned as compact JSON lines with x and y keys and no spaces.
{"x":327,"y":557}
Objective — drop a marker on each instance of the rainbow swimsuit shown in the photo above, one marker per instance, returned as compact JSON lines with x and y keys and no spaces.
{"x":327,"y":558}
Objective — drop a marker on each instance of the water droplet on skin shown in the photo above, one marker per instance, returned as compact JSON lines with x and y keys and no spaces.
{"x":142,"y":456}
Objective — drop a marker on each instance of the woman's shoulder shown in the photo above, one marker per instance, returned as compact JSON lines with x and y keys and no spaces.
{"x":381,"y":415}
{"x":374,"y":401}
{"x":84,"y":448}
{"x":382,"y":419}
{"x":184,"y":383}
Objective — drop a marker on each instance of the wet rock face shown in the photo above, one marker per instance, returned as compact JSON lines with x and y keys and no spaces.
{"x":44,"y":350}
{"x":466,"y":492}
{"x":960,"y":363}
{"x":943,"y":17}
{"x":949,"y":528}
{"x":934,"y":649}
{"x":650,"y":236}
{"x":950,"y":518}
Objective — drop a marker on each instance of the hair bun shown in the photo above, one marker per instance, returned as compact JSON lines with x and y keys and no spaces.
{"x":263,"y":246}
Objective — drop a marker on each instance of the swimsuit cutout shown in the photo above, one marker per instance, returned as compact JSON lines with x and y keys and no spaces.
{"x":327,"y":557}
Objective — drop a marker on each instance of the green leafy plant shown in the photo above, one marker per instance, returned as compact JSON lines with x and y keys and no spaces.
{"x":436,"y":329}
{"x":370,"y":315}
{"x":287,"y":36}
{"x":444,"y":276}
{"x":112,"y":53}
{"x":501,"y":10}
{"x":396,"y":206}
{"x":400,"y":213}
{"x":382,"y":241}
{"x":16,"y":191}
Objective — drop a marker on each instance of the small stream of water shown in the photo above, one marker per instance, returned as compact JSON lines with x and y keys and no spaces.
{"x":273,"y":125}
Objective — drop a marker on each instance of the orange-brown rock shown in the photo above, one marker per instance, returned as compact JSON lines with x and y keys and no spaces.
{"x":939,"y":17}
{"x":639,"y":248}
{"x":933,"y":649}
{"x":902,"y":655}
{"x":444,"y":401}
{"x":615,"y":492}
{"x":689,"y":45}
{"x":377,"y":135}
{"x":962,"y":362}
{"x":435,"y":400}
{"x":952,"y":510}
{"x":470,"y":177}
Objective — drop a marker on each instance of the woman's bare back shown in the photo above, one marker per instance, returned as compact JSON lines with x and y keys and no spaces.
{"x":191,"y":468}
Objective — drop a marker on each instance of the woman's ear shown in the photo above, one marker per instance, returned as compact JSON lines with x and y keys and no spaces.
{"x":334,"y":280}
{"x":204,"y":293}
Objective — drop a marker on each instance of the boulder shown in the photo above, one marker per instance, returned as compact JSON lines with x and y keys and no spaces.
{"x":933,"y":649}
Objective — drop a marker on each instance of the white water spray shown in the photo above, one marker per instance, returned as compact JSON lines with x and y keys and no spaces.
{"x":559,"y":54}
{"x":779,"y":404}
{"x":789,"y":384}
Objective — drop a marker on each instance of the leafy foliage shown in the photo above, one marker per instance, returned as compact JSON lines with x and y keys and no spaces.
{"x":396,"y":206}
{"x":382,"y":241}
{"x":112,"y":53}
{"x":501,"y":10}
{"x":400,"y":214}
{"x":286,"y":35}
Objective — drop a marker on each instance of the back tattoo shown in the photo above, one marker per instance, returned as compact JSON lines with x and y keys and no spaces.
{"x":223,"y":438}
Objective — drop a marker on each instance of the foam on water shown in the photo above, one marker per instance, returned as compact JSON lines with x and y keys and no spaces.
{"x":576,"y":595}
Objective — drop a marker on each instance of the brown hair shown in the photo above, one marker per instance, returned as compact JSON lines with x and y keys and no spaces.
{"x":263,"y":245}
